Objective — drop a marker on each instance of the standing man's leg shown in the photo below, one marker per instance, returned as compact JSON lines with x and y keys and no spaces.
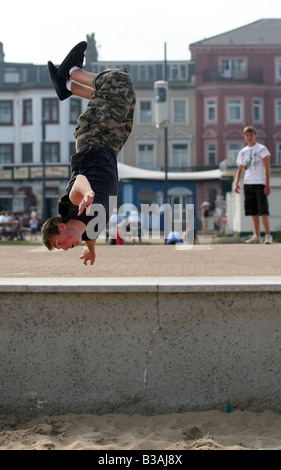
{"x":266,"y":224}
{"x":256,"y":223}
{"x":256,"y":202}
{"x":268,"y":237}
{"x":251,"y":208}
{"x":264,"y":211}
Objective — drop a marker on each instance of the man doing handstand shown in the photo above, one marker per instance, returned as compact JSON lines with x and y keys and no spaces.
{"x":101,"y":132}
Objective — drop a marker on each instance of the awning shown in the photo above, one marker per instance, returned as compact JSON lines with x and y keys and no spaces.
{"x":131,"y":172}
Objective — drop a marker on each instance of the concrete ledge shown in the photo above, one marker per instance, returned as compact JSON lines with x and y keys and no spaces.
{"x":139,"y":345}
{"x":143,"y":284}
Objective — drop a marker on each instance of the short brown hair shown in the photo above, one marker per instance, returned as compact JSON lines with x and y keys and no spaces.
{"x":249,"y":129}
{"x":50,"y":228}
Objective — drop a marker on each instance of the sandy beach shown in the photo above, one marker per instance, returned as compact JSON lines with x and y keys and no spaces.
{"x":205,"y":430}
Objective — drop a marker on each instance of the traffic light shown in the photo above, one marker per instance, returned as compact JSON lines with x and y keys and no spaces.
{"x":161,"y":103}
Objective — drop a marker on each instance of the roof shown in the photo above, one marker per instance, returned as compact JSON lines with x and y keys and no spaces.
{"x":264,"y":32}
{"x":131,"y":172}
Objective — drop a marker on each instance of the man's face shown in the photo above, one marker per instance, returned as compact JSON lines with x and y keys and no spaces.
{"x":250,"y":138}
{"x":66,"y":239}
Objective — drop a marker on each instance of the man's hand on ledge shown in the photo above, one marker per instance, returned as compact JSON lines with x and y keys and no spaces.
{"x":89,"y":252}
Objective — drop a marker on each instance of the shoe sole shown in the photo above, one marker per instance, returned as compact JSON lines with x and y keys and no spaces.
{"x":55,"y":79}
{"x":63,"y":70}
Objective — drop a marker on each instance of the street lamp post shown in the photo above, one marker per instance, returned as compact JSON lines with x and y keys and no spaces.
{"x":44,"y":216}
{"x":162,"y":117}
{"x":166,"y":130}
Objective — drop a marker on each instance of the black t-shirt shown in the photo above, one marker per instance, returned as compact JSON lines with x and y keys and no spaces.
{"x":99,"y":165}
{"x":69,"y":211}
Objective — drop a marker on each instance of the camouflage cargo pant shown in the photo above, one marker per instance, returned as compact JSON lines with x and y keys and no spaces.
{"x":108,"y":119}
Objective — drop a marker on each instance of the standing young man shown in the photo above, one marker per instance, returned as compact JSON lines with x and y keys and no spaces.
{"x":254,"y":161}
{"x":101,"y":132}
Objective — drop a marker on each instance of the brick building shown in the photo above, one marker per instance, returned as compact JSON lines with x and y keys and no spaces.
{"x":238,"y":82}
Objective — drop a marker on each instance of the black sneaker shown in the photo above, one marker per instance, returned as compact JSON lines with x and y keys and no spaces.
{"x":74,"y":58}
{"x":58,"y":82}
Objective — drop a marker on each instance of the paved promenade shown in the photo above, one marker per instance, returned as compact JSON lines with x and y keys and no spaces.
{"x":143,"y":261}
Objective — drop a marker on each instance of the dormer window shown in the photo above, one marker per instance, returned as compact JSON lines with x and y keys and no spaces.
{"x":11,"y":75}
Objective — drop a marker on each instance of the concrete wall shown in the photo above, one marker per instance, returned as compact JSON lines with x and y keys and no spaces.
{"x":139,"y":345}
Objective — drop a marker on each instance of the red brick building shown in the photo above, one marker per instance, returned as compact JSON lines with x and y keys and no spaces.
{"x":238,"y":83}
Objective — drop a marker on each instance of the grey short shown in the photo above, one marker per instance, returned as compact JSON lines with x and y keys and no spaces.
{"x":108,"y":119}
{"x":255,"y":201}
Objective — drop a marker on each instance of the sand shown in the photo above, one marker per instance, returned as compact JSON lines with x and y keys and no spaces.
{"x":204,"y":430}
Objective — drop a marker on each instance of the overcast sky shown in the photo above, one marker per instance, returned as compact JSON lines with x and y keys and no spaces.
{"x":35,"y":32}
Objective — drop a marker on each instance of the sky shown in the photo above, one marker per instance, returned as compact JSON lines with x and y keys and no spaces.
{"x":125,"y":30}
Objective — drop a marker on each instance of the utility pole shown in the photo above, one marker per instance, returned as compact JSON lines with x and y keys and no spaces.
{"x":166,"y":129}
{"x":44,"y":212}
{"x":162,"y":116}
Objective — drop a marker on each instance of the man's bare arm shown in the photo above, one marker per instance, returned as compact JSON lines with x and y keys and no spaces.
{"x":238,"y":176}
{"x":266,"y":164}
{"x":81,"y":193}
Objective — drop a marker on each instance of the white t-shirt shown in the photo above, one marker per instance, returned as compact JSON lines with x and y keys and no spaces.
{"x":251,"y":159}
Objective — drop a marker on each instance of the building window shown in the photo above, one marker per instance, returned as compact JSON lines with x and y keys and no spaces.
{"x":211,"y":110}
{"x":72,"y":148}
{"x":146,"y":196}
{"x":74,"y":110}
{"x":174,"y":72}
{"x":6,"y":153}
{"x":27,"y":150}
{"x":211,"y":154}
{"x":233,"y":68}
{"x":135,"y":72}
{"x":150,"y":72}
{"x":180,"y":114}
{"x":145,"y":112}
{"x":177,"y":72}
{"x":145,"y":157}
{"x":52,"y":152}
{"x":142,"y":72}
{"x":278,"y":154}
{"x":278,"y":69}
{"x":257,"y":110}
{"x":180,"y":157}
{"x":11,"y":75}
{"x":234,"y":110}
{"x":50,"y":110}
{"x":27,"y":112}
{"x":6,"y":113}
{"x":278,"y":111}
{"x":183,"y":72}
{"x":233,"y":149}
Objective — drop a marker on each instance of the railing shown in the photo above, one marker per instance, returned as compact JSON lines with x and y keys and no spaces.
{"x":252,"y":75}
{"x":188,"y":169}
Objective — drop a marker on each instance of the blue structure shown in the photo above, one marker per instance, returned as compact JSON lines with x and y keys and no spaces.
{"x":138,"y":186}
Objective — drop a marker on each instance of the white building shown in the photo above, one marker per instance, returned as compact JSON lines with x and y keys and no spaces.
{"x":27,"y":96}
